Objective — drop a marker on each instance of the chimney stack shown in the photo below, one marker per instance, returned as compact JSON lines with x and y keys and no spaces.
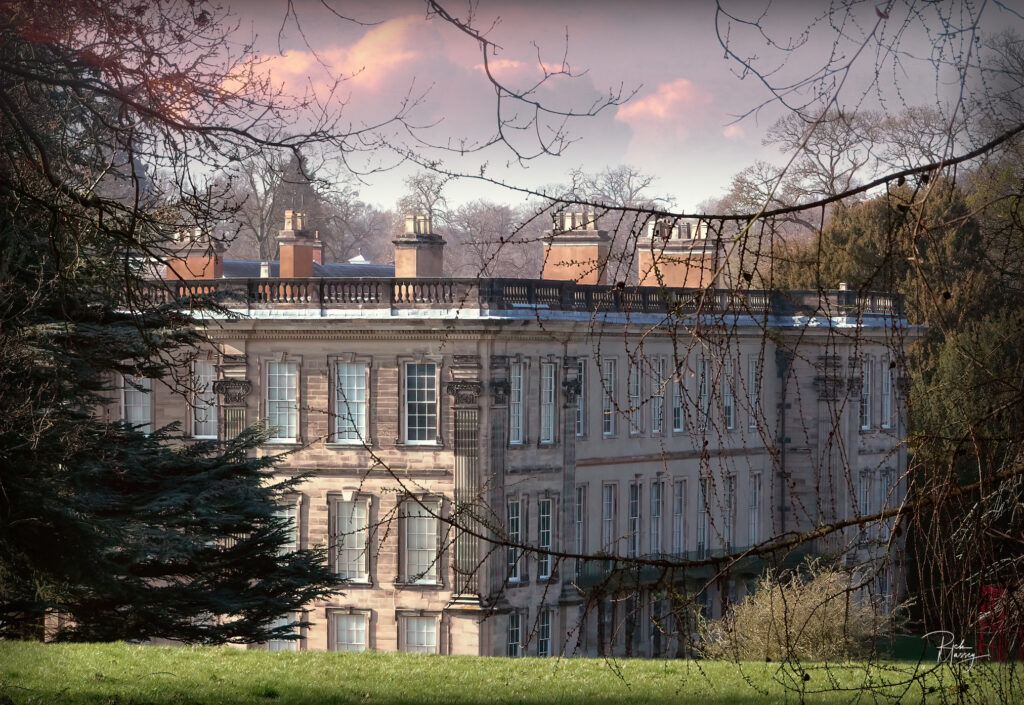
{"x":678,"y":254}
{"x":419,"y":252}
{"x":196,"y":256}
{"x":575,"y":250}
{"x":297,"y":249}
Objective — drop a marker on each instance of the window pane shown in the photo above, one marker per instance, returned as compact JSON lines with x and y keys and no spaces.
{"x":728,"y":400}
{"x":580,"y":523}
{"x":607,"y":397}
{"x":544,"y":537}
{"x":655,"y":532}
{"x":513,"y":553}
{"x":420,"y":542}
{"x":634,"y":397}
{"x":350,"y":401}
{"x":547,"y":403}
{"x":282,"y":388}
{"x":678,"y":517}
{"x":634,"y":520}
{"x":658,"y":396}
{"x":290,"y":513}
{"x":350,"y":540}
{"x":420,"y":635}
{"x":421,"y":402}
{"x":580,"y":399}
{"x":544,"y":633}
{"x":135,"y":396}
{"x":282,"y":644}
{"x":349,"y":632}
{"x":865,"y":394}
{"x":608,"y":537}
{"x":515,"y":404}
{"x":514,"y":634}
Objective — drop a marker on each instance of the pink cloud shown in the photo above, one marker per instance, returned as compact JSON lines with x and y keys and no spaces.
{"x":733,"y":132}
{"x":669,"y":102}
{"x":368,"y":63}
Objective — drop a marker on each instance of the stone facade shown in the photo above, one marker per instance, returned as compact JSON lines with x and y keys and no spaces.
{"x":471,"y":441}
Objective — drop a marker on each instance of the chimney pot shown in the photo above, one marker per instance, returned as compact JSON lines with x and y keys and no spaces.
{"x":419,"y":252}
{"x":296,"y":249}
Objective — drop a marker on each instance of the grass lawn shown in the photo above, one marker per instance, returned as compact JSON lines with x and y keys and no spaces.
{"x":123,"y":674}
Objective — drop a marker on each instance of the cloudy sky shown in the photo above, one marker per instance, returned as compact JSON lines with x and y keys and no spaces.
{"x":688,"y":121}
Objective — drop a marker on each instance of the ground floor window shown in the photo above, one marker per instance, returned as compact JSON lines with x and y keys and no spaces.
{"x":419,"y":634}
{"x":349,"y":632}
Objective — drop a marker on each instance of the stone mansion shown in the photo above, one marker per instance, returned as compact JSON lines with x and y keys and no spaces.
{"x":550,"y":466}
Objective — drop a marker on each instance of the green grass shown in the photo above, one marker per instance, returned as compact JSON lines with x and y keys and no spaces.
{"x":122,"y":674}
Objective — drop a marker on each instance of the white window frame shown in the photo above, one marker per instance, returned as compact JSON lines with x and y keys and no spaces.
{"x":887,"y":405}
{"x":753,"y":392}
{"x":703,"y":518}
{"x":516,"y":397}
{"x":420,"y":564}
{"x":677,"y":403}
{"x":278,"y":403}
{"x":729,"y":532}
{"x":703,"y":392}
{"x":608,"y":397}
{"x":679,"y":517}
{"x":544,"y":632}
{"x":581,"y":404}
{"x":284,"y":644}
{"x":580,"y":521}
{"x":289,"y":508}
{"x":416,"y":628}
{"x":609,"y":511}
{"x":350,"y":557}
{"x":351,"y":404}
{"x":658,"y":397}
{"x":130,"y":399}
{"x":865,"y":394}
{"x":656,"y":502}
{"x":204,"y":399}
{"x":430,"y":434}
{"x":545,"y":533}
{"x":354,"y":622}
{"x":754,"y":514}
{"x":547,"y":402}
{"x":728,"y":396}
{"x":634,"y":525}
{"x":635,"y":392}
{"x":514,"y":554}
{"x":514,"y":635}
{"x":864,"y":494}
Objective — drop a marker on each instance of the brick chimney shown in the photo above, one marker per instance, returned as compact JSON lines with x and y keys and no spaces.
{"x":297,"y":248}
{"x":195,"y":256}
{"x":678,"y":254}
{"x":575,"y":250}
{"x":419,"y":252}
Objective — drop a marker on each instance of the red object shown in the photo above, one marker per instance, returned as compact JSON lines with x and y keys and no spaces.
{"x":995,"y":627}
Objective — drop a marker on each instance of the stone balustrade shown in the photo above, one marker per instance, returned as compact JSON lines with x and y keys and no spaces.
{"x":496,"y":295}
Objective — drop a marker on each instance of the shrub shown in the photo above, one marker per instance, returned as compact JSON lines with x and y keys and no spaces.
{"x":812,"y":614}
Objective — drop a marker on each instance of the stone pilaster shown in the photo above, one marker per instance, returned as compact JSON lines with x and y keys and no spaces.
{"x":232,"y":389}
{"x":570,"y":393}
{"x":466,"y":500}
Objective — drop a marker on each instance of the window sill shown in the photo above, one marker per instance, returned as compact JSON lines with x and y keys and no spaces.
{"x":349,"y":445}
{"x":362,"y":583}
{"x":404,"y":585}
{"x":283,"y":444}
{"x":406,"y":445}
